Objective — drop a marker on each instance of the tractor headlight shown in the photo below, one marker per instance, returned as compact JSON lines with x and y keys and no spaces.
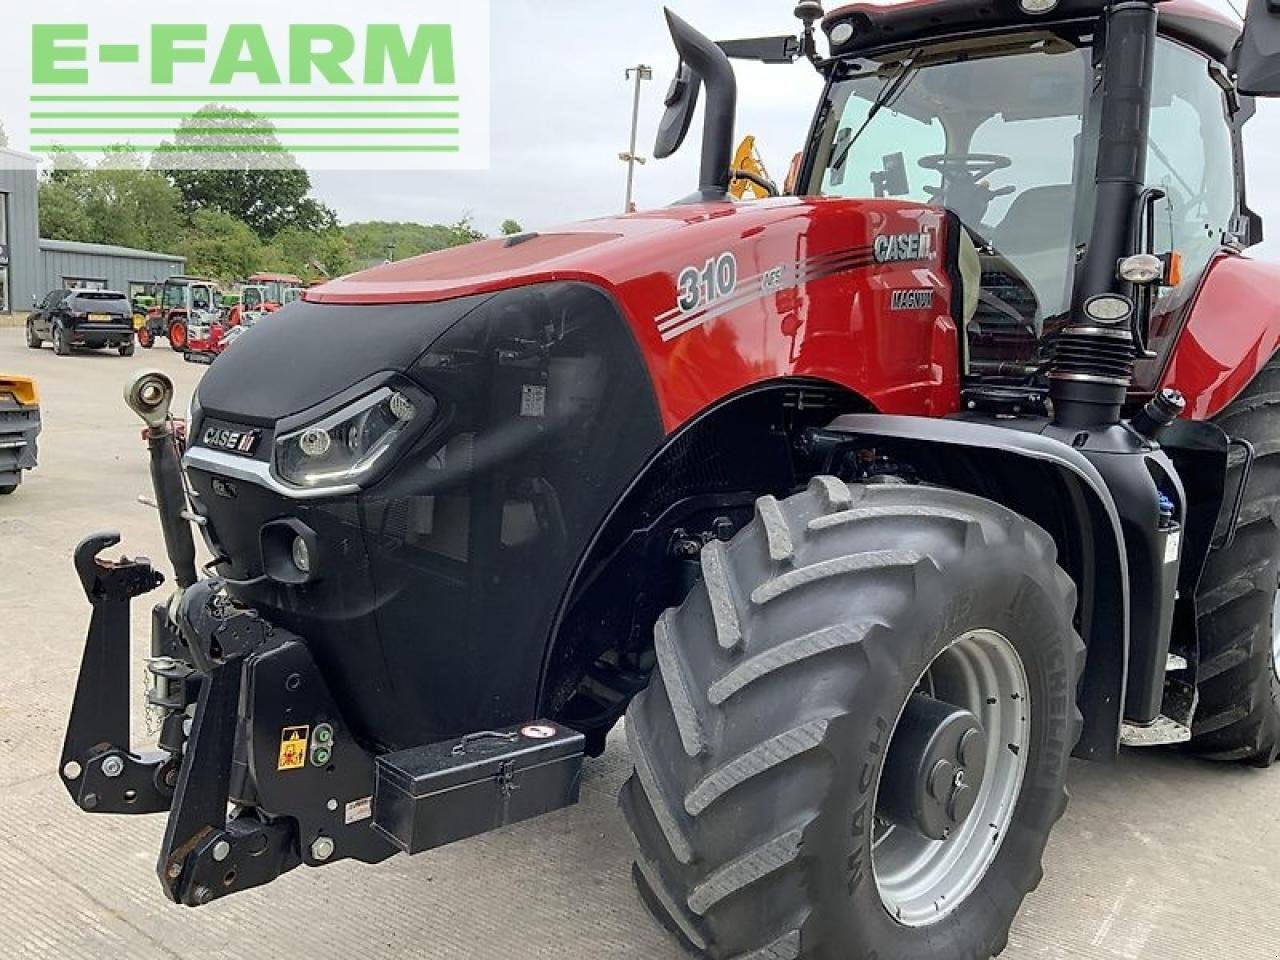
{"x":345,"y":447}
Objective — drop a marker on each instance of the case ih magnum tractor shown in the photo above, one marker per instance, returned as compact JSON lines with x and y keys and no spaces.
{"x":867,"y":506}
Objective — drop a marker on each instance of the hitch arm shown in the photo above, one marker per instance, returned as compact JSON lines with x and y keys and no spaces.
{"x":99,"y":770}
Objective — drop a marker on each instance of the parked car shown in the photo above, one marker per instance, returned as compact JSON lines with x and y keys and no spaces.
{"x":82,"y":318}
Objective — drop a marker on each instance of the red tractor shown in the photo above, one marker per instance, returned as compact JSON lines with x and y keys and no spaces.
{"x":187,"y":307}
{"x":866,"y":506}
{"x":265,"y":293}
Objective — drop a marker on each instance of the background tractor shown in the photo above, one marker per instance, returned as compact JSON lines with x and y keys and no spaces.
{"x":263,"y":294}
{"x":187,"y":307}
{"x":867,"y":506}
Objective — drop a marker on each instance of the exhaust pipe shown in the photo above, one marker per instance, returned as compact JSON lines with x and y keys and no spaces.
{"x":150,"y":396}
{"x":701,"y":62}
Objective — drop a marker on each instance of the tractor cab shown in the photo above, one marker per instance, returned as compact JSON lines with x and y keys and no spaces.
{"x":276,"y":289}
{"x":1003,"y":130}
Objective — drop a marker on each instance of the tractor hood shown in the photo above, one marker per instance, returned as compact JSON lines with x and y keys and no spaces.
{"x":607,"y":252}
{"x":707,"y":292}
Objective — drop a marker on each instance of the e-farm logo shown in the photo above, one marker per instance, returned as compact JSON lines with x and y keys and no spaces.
{"x":390,"y":83}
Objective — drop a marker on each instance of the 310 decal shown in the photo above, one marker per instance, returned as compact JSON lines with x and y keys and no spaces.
{"x":702,"y":286}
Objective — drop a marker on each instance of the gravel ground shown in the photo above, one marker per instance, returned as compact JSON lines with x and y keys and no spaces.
{"x":1159,"y":856}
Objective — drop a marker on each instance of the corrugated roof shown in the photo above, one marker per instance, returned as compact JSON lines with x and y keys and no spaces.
{"x":106,"y":250}
{"x":11,"y":159}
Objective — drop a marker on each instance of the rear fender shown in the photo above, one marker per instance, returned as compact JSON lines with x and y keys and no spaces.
{"x":1220,"y":341}
{"x":1056,"y":487}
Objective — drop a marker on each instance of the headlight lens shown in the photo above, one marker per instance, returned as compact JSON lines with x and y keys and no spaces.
{"x":345,"y":447}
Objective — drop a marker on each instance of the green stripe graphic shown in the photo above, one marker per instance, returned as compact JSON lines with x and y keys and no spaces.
{"x":362,"y":115}
{"x":242,"y":132}
{"x":222,"y":98}
{"x":258,"y":148}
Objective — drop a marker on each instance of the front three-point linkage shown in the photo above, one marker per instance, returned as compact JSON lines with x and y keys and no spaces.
{"x":100,"y":771}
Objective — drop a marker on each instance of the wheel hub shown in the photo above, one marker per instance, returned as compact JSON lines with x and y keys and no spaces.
{"x":952,"y":777}
{"x":935,"y":767}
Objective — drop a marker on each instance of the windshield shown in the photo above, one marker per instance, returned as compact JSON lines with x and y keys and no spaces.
{"x":993,"y":130}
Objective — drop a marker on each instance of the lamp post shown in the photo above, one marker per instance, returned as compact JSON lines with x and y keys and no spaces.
{"x":641,"y":73}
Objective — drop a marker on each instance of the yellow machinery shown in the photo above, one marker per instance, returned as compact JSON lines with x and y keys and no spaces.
{"x":19,"y":427}
{"x":748,"y":161}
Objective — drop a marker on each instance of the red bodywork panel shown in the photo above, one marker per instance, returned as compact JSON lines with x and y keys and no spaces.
{"x":810,"y":297}
{"x":1219,"y":339}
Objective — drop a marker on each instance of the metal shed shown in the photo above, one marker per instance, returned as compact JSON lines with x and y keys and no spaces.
{"x":64,"y":264}
{"x":19,"y":230}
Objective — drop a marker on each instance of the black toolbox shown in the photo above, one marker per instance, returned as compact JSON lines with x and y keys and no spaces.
{"x":428,"y":796}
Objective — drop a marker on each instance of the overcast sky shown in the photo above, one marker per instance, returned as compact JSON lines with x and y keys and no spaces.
{"x":562,"y":110}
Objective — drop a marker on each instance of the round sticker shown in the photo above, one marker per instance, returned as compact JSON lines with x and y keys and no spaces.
{"x":538,"y":732}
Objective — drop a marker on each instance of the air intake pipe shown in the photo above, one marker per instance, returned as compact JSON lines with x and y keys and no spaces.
{"x":1094,"y":357}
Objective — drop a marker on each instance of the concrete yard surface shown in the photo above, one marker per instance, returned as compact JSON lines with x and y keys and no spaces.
{"x":1159,"y":856}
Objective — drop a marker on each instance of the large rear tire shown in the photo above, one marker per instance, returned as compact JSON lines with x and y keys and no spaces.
{"x":1239,"y":600}
{"x":786,"y":679}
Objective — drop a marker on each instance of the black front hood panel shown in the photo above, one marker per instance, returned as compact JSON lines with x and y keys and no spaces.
{"x":440,"y":583}
{"x":308,"y":353}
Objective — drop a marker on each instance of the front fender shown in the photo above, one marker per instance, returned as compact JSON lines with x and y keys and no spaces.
{"x":1055,"y":486}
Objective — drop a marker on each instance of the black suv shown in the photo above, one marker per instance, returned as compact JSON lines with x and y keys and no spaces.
{"x":82,"y":318}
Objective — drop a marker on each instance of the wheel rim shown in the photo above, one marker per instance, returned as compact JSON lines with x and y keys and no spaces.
{"x":920,"y":880}
{"x":178,"y":336}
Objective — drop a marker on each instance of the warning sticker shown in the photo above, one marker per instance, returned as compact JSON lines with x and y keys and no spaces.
{"x":293,"y":748}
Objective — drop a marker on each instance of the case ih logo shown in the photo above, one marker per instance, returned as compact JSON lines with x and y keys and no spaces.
{"x":904,"y":247}
{"x":233,"y":441}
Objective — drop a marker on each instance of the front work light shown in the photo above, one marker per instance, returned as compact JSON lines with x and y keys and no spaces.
{"x":1142,"y":269}
{"x":345,"y":447}
{"x":1037,"y":7}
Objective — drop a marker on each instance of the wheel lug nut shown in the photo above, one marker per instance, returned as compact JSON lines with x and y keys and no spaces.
{"x":940,"y":780}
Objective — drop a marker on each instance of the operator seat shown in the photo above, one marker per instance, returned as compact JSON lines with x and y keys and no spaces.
{"x":1037,"y":235}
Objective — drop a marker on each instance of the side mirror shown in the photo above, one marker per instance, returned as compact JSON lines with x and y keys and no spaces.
{"x":681,"y":102}
{"x":1258,"y":54}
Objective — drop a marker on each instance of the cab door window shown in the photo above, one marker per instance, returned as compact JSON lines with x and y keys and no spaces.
{"x":1191,"y":158}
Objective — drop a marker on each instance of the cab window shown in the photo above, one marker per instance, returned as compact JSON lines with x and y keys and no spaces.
{"x":1191,"y":158}
{"x":992,"y":130}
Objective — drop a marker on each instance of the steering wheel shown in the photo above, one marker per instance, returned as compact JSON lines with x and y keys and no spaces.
{"x":963,"y":186}
{"x":976,"y":165}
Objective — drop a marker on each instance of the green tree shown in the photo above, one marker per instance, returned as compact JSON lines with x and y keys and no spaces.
{"x":464,"y":231}
{"x":62,"y":214}
{"x":372,"y":241}
{"x":219,"y":246}
{"x":118,"y":202}
{"x":510,"y":228}
{"x":310,"y":254}
{"x":254,"y":178}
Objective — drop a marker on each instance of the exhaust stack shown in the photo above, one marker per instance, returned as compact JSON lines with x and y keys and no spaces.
{"x":701,"y":62}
